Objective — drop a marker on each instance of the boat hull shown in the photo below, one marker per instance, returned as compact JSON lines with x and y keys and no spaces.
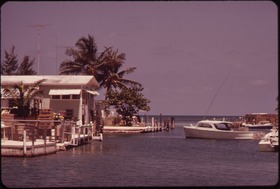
{"x":194,"y":132}
{"x":265,"y":146}
{"x":253,"y":127}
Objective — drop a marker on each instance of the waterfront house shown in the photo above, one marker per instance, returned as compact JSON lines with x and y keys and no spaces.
{"x":70,"y":95}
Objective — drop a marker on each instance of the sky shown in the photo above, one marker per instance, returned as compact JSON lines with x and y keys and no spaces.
{"x":192,"y":57}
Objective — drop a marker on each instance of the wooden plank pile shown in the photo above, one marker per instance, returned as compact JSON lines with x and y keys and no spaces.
{"x":45,"y":123}
{"x":45,"y":118}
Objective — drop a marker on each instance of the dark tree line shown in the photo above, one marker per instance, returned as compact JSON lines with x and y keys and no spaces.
{"x":10,"y":65}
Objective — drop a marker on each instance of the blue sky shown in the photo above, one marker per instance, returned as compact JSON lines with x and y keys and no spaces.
{"x":183,"y":50}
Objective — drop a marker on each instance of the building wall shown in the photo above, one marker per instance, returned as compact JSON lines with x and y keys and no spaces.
{"x":60,"y":106}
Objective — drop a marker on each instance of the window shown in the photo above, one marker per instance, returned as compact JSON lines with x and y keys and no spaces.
{"x":204,"y":125}
{"x":222,"y":126}
{"x":65,"y":96}
{"x":55,"y":96}
{"x":75,"y":96}
{"x":69,"y":114}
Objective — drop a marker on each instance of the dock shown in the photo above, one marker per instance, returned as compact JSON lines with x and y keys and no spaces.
{"x":27,"y":138}
{"x":153,"y":126}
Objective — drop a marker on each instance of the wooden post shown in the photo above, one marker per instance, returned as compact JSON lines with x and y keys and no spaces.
{"x":45,"y":140}
{"x":172,"y":123}
{"x":73,"y":133}
{"x":153,"y":124}
{"x":55,"y":135}
{"x":24,"y":142}
{"x":101,"y":136}
{"x":33,"y":140}
{"x":62,"y":130}
{"x":84,"y":133}
{"x":79,"y":132}
{"x":160,"y":120}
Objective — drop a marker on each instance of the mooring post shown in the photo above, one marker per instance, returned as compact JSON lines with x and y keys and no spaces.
{"x":156,"y":124}
{"x":160,"y":120}
{"x":52,"y":134}
{"x":62,"y":131}
{"x":33,"y":140}
{"x":73,"y":133}
{"x":166,"y":122}
{"x":45,"y":140}
{"x":172,"y":123}
{"x":153,"y":124}
{"x":91,"y":125}
{"x":24,"y":142}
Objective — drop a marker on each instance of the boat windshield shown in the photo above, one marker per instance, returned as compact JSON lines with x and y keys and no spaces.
{"x":222,"y":126}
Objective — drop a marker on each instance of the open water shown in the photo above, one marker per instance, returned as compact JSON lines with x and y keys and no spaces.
{"x":164,"y":158}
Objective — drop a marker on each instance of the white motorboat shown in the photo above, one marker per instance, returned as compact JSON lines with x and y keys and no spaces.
{"x":258,"y":126}
{"x":261,"y":125}
{"x":214,"y":129}
{"x":270,"y":142}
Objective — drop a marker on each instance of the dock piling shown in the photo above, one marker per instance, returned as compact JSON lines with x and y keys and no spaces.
{"x":24,"y":142}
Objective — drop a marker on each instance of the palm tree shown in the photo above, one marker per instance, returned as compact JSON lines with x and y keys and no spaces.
{"x":104,"y":67}
{"x":116,"y":80}
{"x":110,"y":76}
{"x":84,"y":58}
{"x":23,"y":95}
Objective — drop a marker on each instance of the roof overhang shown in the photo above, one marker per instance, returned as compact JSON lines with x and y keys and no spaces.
{"x":70,"y":92}
{"x":51,"y":80}
{"x":65,"y":91}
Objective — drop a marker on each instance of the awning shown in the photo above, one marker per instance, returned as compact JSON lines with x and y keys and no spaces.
{"x":64,"y":91}
{"x":92,"y":92}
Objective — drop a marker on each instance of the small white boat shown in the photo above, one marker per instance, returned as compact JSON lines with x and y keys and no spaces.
{"x":270,"y":142}
{"x":261,"y":125}
{"x":214,"y":129}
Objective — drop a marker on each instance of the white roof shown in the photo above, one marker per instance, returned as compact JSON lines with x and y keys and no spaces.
{"x":93,"y":92}
{"x":69,"y":80}
{"x":70,"y":91}
{"x":64,"y":91}
{"x":214,"y":121}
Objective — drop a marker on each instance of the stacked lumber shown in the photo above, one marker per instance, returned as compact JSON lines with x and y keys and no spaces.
{"x":46,"y":115}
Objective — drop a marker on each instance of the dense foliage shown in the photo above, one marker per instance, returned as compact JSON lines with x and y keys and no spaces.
{"x":23,"y":95}
{"x":128,"y":102}
{"x":104,"y":66}
{"x":9,"y":65}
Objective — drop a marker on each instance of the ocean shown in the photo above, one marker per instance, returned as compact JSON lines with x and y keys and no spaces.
{"x":163,"y":158}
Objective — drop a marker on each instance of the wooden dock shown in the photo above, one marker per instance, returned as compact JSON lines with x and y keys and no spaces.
{"x":153,"y":126}
{"x":27,"y":149}
{"x":29,"y":138}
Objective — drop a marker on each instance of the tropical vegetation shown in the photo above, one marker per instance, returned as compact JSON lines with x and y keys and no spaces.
{"x":23,"y":95}
{"x":128,"y":102}
{"x":104,"y":66}
{"x":10,"y":66}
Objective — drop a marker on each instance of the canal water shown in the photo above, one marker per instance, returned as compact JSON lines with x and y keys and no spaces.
{"x":164,"y":158}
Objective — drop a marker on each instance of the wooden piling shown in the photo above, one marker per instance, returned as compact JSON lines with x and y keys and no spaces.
{"x":24,"y":142}
{"x":160,"y":120}
{"x":33,"y":140}
{"x":153,"y":124}
{"x":172,"y":123}
{"x":45,"y":140}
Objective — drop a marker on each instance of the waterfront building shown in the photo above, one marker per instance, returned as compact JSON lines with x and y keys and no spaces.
{"x":70,"y":95}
